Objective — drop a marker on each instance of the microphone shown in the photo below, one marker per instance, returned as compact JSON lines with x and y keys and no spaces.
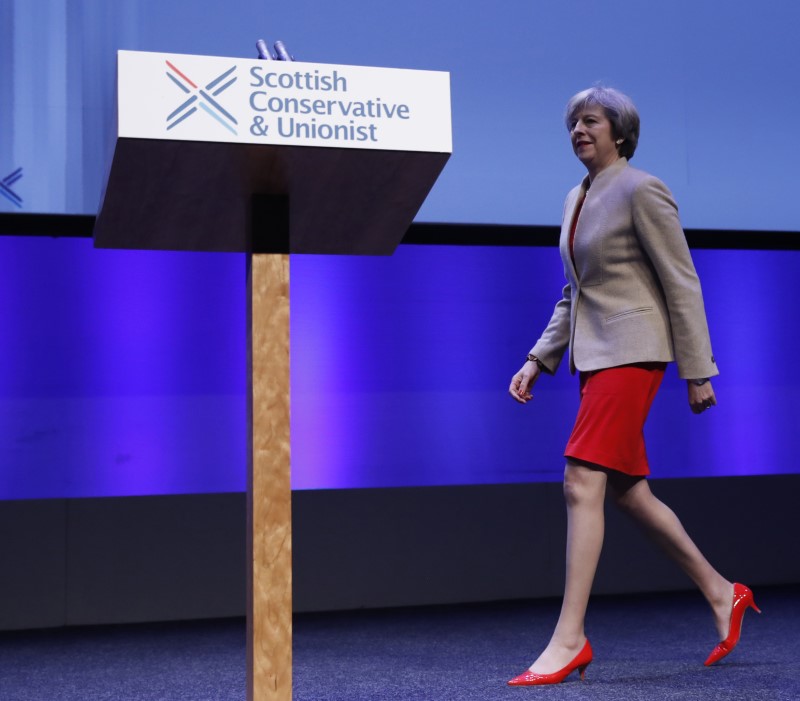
{"x":263,"y":51}
{"x":281,"y":53}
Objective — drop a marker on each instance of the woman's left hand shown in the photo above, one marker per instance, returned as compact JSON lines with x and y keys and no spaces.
{"x":702,"y":397}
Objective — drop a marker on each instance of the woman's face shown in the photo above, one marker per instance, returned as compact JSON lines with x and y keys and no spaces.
{"x":592,"y":139}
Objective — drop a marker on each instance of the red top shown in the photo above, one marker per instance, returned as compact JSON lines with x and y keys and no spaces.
{"x":574,"y":226}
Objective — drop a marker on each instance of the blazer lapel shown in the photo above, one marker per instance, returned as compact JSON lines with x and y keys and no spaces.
{"x":575,"y":196}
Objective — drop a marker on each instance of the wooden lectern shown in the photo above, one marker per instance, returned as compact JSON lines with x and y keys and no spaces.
{"x":270,"y":158}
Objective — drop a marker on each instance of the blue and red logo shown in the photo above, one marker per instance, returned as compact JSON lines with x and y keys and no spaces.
{"x":5,"y":187}
{"x":201,"y":98}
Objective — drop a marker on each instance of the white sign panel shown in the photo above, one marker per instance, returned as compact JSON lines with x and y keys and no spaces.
{"x":208,"y":98}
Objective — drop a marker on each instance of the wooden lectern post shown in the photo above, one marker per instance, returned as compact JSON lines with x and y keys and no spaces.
{"x":222,"y":177}
{"x":269,"y":505}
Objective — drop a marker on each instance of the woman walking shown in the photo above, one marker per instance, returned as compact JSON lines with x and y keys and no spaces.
{"x":632,"y":304}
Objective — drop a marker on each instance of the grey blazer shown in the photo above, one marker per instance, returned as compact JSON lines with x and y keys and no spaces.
{"x":632,"y":294}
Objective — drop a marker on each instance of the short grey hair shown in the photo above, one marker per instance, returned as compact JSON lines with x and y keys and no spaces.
{"x":619,"y":109}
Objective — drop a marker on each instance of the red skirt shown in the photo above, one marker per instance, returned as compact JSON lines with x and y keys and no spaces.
{"x":614,"y":405}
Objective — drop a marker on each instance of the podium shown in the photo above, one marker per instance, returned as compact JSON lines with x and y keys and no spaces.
{"x":270,"y":159}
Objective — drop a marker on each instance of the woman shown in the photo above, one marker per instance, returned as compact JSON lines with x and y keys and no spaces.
{"x":632,"y":303}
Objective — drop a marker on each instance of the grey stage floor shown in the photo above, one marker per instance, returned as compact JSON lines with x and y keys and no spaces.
{"x":646,"y":647}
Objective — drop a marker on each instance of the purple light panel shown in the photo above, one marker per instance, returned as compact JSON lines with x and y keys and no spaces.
{"x":122,"y":373}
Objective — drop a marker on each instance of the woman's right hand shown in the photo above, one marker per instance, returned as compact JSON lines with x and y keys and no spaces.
{"x":523,"y":381}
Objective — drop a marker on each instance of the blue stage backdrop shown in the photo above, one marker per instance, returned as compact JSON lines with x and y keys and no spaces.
{"x":122,"y":373}
{"x":715,"y":83}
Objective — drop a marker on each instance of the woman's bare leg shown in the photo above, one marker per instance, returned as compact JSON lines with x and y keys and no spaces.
{"x":633,"y":496}
{"x":584,"y":492}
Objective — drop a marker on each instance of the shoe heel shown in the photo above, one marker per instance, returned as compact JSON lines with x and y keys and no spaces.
{"x":582,"y":670}
{"x":751,"y":601}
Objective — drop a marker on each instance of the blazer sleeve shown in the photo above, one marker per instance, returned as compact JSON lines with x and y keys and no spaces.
{"x":553,"y":343}
{"x":655,"y":218}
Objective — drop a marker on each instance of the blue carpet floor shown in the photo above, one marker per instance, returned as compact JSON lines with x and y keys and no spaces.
{"x":646,"y":647}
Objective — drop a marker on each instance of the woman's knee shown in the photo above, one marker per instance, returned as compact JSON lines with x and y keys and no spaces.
{"x":626,"y":502}
{"x":631,"y":497}
{"x":583,"y":484}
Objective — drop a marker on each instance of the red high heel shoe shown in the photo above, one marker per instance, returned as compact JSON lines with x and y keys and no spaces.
{"x":581,"y":662}
{"x":742,"y":599}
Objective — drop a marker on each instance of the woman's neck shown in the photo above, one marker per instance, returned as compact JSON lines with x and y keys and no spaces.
{"x":594,"y":171}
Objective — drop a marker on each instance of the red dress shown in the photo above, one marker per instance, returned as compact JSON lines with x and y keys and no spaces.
{"x":609,"y":428}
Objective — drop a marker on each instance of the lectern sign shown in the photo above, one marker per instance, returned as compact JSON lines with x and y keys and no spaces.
{"x":206,"y":98}
{"x":232,"y":154}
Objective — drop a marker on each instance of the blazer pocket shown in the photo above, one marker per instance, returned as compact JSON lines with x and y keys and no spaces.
{"x":629,"y":312}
